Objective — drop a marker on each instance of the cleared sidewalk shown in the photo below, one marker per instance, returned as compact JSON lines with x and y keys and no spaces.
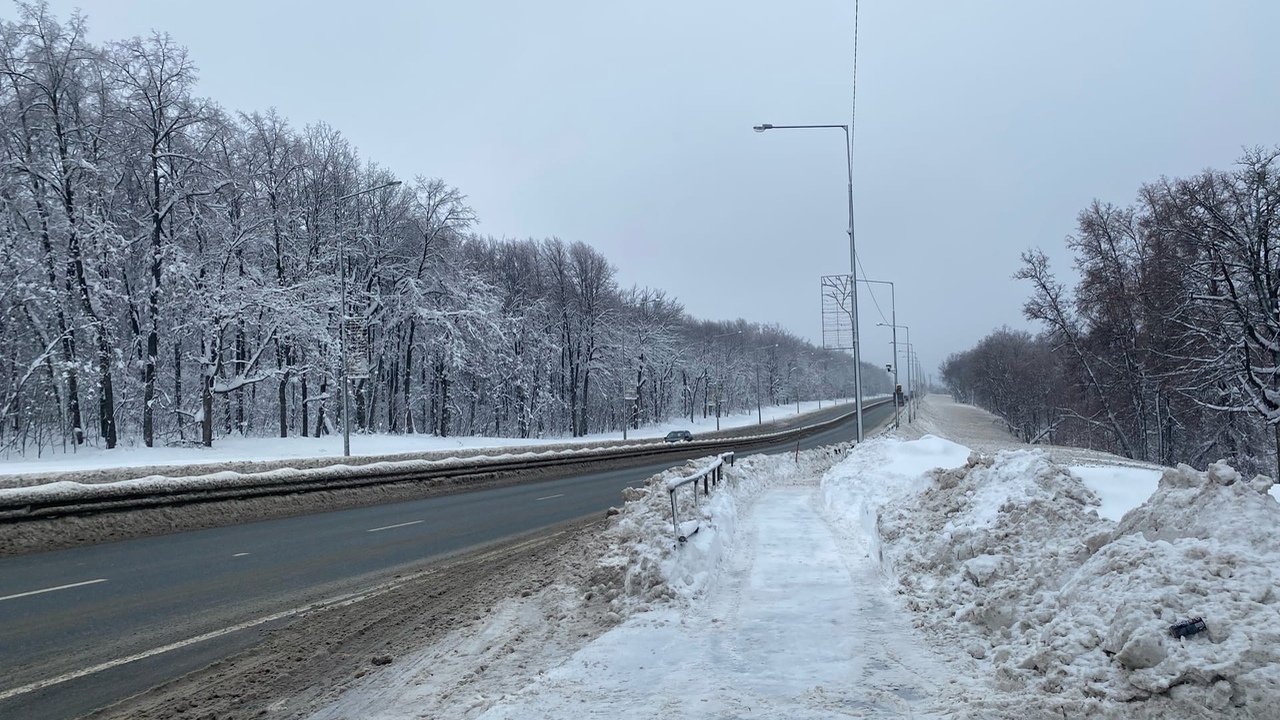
{"x":798,"y":624}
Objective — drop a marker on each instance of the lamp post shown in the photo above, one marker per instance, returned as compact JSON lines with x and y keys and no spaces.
{"x":895,"y":327}
{"x":893,"y":319}
{"x":910,"y":377}
{"x":794,"y":371}
{"x":853,"y":256}
{"x":342,"y":330}
{"x":719,"y":384}
{"x":628,"y":412}
{"x":759,"y":409}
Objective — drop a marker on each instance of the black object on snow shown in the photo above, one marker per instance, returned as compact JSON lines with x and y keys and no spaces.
{"x":1187,"y":627}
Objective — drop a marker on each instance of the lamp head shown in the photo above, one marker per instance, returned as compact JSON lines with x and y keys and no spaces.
{"x":762,"y":128}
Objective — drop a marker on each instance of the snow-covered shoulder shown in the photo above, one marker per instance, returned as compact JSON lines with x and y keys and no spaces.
{"x":1007,"y":557}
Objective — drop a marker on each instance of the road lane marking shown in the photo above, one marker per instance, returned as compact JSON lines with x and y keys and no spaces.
{"x":60,"y":587}
{"x":549,"y":497}
{"x":336,"y":602}
{"x":398,"y":525}
{"x":239,"y":554}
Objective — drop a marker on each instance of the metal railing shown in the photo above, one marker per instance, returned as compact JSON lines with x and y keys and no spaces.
{"x":127,"y":496}
{"x":710,"y":476}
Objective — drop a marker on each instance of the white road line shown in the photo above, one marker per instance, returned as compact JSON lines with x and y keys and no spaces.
{"x":60,"y":587}
{"x":340,"y":601}
{"x":388,"y":527}
{"x":335,"y":602}
{"x":549,"y":497}
{"x":239,"y":554}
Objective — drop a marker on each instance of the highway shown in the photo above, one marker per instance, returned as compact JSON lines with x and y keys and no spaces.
{"x":84,"y":627}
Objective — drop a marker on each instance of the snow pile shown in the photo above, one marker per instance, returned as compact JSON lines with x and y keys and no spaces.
{"x":1008,"y":559}
{"x":642,"y":562}
{"x":1120,"y":488}
{"x":882,"y":470}
{"x":602,"y":582}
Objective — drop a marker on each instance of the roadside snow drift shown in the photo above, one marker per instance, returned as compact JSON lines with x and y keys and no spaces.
{"x":633,"y":577}
{"x":797,"y":600}
{"x":1008,"y":559}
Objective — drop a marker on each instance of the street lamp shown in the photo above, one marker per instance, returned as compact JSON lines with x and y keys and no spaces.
{"x":719,"y":385}
{"x":342,"y":330}
{"x":759,"y":410}
{"x":853,"y":256}
{"x":893,"y":315}
{"x":911,"y":372}
{"x":895,"y":327}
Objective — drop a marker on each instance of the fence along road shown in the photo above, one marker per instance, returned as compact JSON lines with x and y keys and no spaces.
{"x":74,"y":615}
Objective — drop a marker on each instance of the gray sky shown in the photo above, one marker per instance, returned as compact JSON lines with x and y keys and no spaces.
{"x":982,"y":127}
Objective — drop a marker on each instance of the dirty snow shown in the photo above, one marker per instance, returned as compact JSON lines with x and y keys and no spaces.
{"x":908,"y":577}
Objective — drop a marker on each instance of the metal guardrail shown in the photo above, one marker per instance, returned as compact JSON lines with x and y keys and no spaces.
{"x":116,"y":497}
{"x":711,"y":474}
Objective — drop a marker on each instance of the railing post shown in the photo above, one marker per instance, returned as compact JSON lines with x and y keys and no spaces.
{"x":675,"y":522}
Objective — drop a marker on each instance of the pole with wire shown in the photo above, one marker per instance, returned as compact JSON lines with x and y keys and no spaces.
{"x":893,"y":325}
{"x":342,"y":329}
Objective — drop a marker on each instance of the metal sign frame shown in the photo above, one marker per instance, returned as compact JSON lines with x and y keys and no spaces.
{"x":837,"y":312}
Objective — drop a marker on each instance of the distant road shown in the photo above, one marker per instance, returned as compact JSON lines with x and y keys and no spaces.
{"x":82,"y":628}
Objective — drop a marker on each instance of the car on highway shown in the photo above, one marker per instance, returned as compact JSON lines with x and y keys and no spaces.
{"x":678,"y":435}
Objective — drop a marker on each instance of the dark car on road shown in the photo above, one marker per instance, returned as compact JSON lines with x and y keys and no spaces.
{"x":678,"y":435}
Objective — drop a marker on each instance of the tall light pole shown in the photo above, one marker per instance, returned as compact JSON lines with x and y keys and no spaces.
{"x":342,"y":329}
{"x":910,"y":377}
{"x":895,"y":359}
{"x":853,"y":256}
{"x":719,"y":384}
{"x":893,"y":315}
{"x":759,"y":410}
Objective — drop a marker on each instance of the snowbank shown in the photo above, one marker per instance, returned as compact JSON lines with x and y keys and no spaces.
{"x":228,"y":452}
{"x":634,"y":565}
{"x":1007,"y":558}
{"x":642,"y":563}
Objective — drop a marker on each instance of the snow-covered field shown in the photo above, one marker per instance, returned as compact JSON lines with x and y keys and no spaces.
{"x":234,"y":449}
{"x":871,"y":583}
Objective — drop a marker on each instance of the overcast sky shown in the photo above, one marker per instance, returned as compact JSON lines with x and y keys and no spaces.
{"x":982,"y":127}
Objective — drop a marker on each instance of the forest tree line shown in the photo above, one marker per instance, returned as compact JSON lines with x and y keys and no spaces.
{"x":1168,"y":347}
{"x":171,"y":272}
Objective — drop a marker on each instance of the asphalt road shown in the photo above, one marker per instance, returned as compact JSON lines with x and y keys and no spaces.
{"x":69,"y":620}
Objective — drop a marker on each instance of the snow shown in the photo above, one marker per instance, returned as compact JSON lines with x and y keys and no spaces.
{"x":907,"y":577}
{"x":234,"y":449}
{"x":1120,"y":489}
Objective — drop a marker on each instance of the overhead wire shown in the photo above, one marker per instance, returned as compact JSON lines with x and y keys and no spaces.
{"x":853,"y":126}
{"x":874,"y":301}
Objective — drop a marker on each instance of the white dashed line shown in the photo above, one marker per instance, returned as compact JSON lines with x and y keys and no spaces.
{"x":60,"y":587}
{"x":336,"y":602}
{"x":549,"y":497}
{"x":340,"y":601}
{"x":239,"y":554}
{"x":388,"y":527}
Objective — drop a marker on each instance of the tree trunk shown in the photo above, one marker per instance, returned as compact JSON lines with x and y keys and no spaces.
{"x":320,"y":419}
{"x":408,"y":376}
{"x":177,"y":384}
{"x":206,"y":409}
{"x":444,"y":400}
{"x":153,"y":307}
{"x":302,"y":404}
{"x":282,"y":390}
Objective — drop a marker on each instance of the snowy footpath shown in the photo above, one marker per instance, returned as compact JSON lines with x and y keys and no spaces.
{"x":913,"y":576}
{"x":797,"y":624}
